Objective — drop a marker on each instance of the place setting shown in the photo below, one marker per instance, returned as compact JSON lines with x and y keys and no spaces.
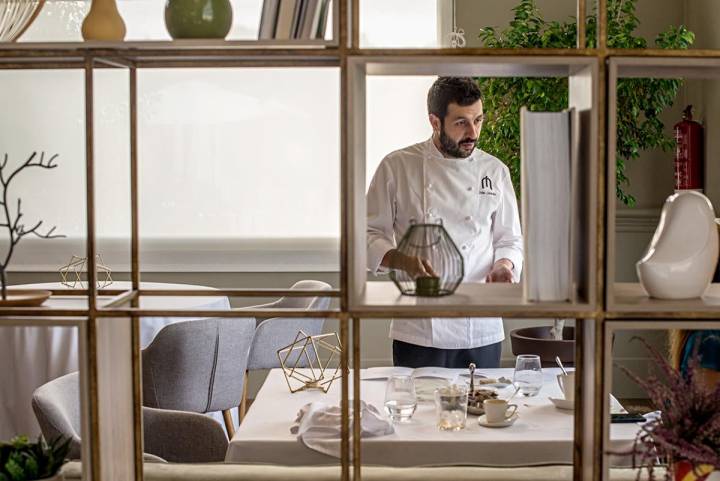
{"x":485,"y":398}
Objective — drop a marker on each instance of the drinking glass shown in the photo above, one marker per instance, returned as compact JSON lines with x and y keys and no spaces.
{"x":400,"y":398}
{"x":528,"y":374}
{"x":451,"y":407}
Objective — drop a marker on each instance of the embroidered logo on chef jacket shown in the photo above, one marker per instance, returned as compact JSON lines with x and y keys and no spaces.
{"x":486,"y":186}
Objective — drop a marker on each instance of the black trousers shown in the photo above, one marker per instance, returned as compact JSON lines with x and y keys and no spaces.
{"x":412,"y":355}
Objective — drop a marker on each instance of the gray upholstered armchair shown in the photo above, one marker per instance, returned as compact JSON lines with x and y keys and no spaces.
{"x":277,"y":332}
{"x":198,"y":366}
{"x":172,"y":436}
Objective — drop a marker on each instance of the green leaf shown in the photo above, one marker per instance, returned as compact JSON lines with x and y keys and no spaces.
{"x":639,"y":101}
{"x":15,"y":470}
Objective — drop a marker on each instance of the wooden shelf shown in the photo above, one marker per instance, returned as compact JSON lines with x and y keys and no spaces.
{"x":630,"y":300}
{"x":176,"y":53}
{"x":471,"y":299}
{"x":665,"y":67}
{"x":106,"y":343}
{"x":479,"y":299}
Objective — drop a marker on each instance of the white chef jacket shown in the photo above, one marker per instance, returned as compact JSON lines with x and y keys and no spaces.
{"x":476,"y":201}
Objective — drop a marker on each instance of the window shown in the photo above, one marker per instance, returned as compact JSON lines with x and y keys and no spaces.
{"x":238,"y":164}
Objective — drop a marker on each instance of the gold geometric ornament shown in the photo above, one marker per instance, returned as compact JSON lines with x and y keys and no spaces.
{"x":72,"y":273}
{"x":307,"y":348}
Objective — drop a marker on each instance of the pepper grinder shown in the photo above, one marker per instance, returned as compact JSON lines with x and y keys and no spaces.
{"x":471,"y":367}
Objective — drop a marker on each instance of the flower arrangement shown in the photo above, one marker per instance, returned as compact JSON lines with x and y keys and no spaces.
{"x":22,"y":460}
{"x":687,"y":432}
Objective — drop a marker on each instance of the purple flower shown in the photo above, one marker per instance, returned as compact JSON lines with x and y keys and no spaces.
{"x":689,"y":425}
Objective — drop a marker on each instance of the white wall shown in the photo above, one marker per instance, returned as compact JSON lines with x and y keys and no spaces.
{"x":703,"y":17}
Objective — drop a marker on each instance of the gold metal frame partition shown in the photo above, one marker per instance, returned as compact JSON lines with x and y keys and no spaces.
{"x":592,"y":331}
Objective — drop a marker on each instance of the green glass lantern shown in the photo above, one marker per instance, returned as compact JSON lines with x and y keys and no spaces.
{"x":432,"y":243}
{"x":198,"y":18}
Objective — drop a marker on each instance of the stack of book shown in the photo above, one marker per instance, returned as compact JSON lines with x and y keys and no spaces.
{"x":550,"y":198}
{"x":293,"y":19}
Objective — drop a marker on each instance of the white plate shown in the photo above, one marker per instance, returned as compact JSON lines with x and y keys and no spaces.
{"x":482,"y":421}
{"x":563,"y":403}
{"x":497,"y":385}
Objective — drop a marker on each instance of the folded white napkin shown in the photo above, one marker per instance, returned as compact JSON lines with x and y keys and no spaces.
{"x":318,"y":426}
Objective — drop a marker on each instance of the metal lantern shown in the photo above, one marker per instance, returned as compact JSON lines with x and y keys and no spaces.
{"x":430,"y":242}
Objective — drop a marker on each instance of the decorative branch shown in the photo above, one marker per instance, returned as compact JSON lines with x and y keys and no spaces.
{"x":16,"y":231}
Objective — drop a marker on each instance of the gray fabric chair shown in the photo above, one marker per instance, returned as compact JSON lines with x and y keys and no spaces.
{"x":277,"y":332}
{"x":173,"y":436}
{"x":198,"y":366}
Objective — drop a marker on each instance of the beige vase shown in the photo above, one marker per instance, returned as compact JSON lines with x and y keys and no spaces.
{"x":103,"y":22}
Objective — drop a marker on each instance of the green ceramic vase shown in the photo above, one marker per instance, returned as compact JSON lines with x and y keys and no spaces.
{"x":198,"y":18}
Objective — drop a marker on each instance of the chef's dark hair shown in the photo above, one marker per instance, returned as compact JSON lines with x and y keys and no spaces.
{"x":463,"y":91}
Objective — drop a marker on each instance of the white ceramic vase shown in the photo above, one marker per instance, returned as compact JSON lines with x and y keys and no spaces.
{"x":680,"y":261}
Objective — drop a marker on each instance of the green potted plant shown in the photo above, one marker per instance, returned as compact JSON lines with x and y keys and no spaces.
{"x":686,"y":434}
{"x":640,"y":100}
{"x":22,"y":460}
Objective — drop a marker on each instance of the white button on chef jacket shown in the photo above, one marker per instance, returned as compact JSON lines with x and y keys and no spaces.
{"x":418,"y":183}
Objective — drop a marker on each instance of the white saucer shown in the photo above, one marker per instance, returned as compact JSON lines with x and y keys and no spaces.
{"x":482,"y":421}
{"x":563,"y":403}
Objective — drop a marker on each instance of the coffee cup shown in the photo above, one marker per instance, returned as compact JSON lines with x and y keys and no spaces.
{"x":498,"y":410}
{"x":567,"y":385}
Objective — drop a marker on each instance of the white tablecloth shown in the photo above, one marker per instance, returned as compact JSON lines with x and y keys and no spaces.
{"x":32,"y":356}
{"x":541,"y":435}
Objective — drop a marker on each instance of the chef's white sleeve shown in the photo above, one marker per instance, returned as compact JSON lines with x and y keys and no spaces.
{"x":507,"y":236}
{"x":381,"y":209}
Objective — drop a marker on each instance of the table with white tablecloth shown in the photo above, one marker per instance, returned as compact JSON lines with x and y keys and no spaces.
{"x":542,"y":433}
{"x":32,"y":356}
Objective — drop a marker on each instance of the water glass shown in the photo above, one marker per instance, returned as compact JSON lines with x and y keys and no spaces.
{"x":451,"y":407}
{"x":528,"y":374}
{"x":400,"y":398}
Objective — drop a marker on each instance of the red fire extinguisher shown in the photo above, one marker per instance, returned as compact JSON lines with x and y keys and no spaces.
{"x":689,"y":153}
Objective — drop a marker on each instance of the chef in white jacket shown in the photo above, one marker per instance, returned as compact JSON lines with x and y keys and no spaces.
{"x":446,"y":177}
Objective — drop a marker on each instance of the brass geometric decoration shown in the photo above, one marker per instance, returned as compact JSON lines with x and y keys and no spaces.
{"x":432,"y":243}
{"x":307,"y":348}
{"x":72,"y":273}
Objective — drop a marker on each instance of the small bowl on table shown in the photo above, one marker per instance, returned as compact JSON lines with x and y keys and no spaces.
{"x":476,"y":398}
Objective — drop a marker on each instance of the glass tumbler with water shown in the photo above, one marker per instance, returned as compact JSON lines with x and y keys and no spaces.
{"x":400,"y":398}
{"x":528,"y":376}
{"x":451,"y":406}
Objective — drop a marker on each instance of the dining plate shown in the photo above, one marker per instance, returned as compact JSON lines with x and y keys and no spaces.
{"x":563,"y":404}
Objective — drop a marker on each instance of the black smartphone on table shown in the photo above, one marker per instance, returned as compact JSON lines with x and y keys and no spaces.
{"x":626,"y":418}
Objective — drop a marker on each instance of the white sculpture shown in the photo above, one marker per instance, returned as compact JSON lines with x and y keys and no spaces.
{"x":680,"y":261}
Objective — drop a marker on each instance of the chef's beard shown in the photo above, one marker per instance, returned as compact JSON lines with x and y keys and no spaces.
{"x":452,"y":148}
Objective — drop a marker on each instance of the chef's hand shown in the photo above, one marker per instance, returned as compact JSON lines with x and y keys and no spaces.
{"x":501,"y":271}
{"x":415,"y":266}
